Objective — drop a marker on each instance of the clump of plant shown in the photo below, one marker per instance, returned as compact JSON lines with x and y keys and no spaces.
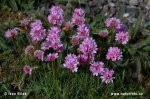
{"x":73,"y":40}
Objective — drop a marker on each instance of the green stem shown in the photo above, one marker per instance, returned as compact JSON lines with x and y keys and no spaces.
{"x":15,"y":46}
{"x":55,"y":69}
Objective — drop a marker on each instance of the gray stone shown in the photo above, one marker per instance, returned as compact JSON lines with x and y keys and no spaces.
{"x":133,"y":11}
{"x":105,"y":9}
{"x":125,"y":1}
{"x":145,"y":1}
{"x":126,"y":15}
{"x":112,"y":4}
{"x":133,"y":2}
{"x":132,"y":20}
{"x":112,"y":11}
{"x":130,"y":9}
{"x":148,"y":4}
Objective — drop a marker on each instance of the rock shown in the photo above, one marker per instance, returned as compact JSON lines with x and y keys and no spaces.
{"x":145,"y":1}
{"x":133,"y":11}
{"x":112,"y":11}
{"x":105,"y":9}
{"x":130,"y":9}
{"x":126,"y":15}
{"x":132,"y":20}
{"x":125,"y":1}
{"x":133,"y":2}
{"x":112,"y":4}
{"x":100,"y":6}
{"x":148,"y":4}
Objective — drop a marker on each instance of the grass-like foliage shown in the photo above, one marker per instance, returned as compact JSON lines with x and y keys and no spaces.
{"x":68,"y":53}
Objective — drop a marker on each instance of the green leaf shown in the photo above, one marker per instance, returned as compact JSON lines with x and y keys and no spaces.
{"x":123,"y":75}
{"x":141,"y":43}
{"x":136,"y":26}
{"x":138,"y":63}
{"x":3,"y":46}
{"x":13,"y":5}
{"x":146,"y":48}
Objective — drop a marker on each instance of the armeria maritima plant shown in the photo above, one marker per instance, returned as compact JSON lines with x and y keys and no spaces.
{"x":47,"y":44}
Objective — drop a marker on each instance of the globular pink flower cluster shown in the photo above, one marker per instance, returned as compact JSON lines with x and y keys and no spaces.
{"x":86,"y":58}
{"x":107,"y":76}
{"x":78,"y":16}
{"x":114,"y":53}
{"x":45,"y":45}
{"x":71,"y":62}
{"x":83,"y":58}
{"x":122,"y":37}
{"x":27,"y":70}
{"x":103,"y":33}
{"x":88,"y":46}
{"x":24,"y":22}
{"x":29,"y":50}
{"x":121,"y":28}
{"x":113,"y":22}
{"x":39,"y":55}
{"x":82,"y":31}
{"x":75,"y":40}
{"x":56,"y":15}
{"x":67,"y":26}
{"x":97,"y":68}
{"x":11,"y":33}
{"x":54,"y":34}
{"x":52,"y":57}
{"x":37,"y":32}
{"x":54,"y":37}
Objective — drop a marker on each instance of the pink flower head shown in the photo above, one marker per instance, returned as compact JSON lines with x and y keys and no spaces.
{"x":57,"y":46}
{"x":39,"y":55}
{"x":114,"y":54}
{"x":36,"y":23}
{"x":122,"y":37}
{"x":82,"y":58}
{"x":55,"y":19}
{"x":54,"y":34}
{"x":78,"y":20}
{"x":83,"y":31}
{"x":113,"y":22}
{"x":56,"y":15}
{"x":103,"y":33}
{"x":54,"y":30}
{"x":27,"y":70}
{"x":56,"y":10}
{"x":67,"y":26}
{"x":34,"y":41}
{"x":29,"y":50}
{"x":122,"y":28}
{"x":45,"y":45}
{"x":107,"y":76}
{"x":88,"y":46}
{"x":37,"y":31}
{"x":75,"y":40}
{"x":78,"y":16}
{"x":24,"y":22}
{"x":10,"y":33}
{"x":51,"y":57}
{"x":97,"y":68}
{"x":71,"y":62}
{"x":78,"y":12}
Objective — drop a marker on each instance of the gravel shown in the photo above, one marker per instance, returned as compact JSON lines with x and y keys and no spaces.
{"x":130,"y":9}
